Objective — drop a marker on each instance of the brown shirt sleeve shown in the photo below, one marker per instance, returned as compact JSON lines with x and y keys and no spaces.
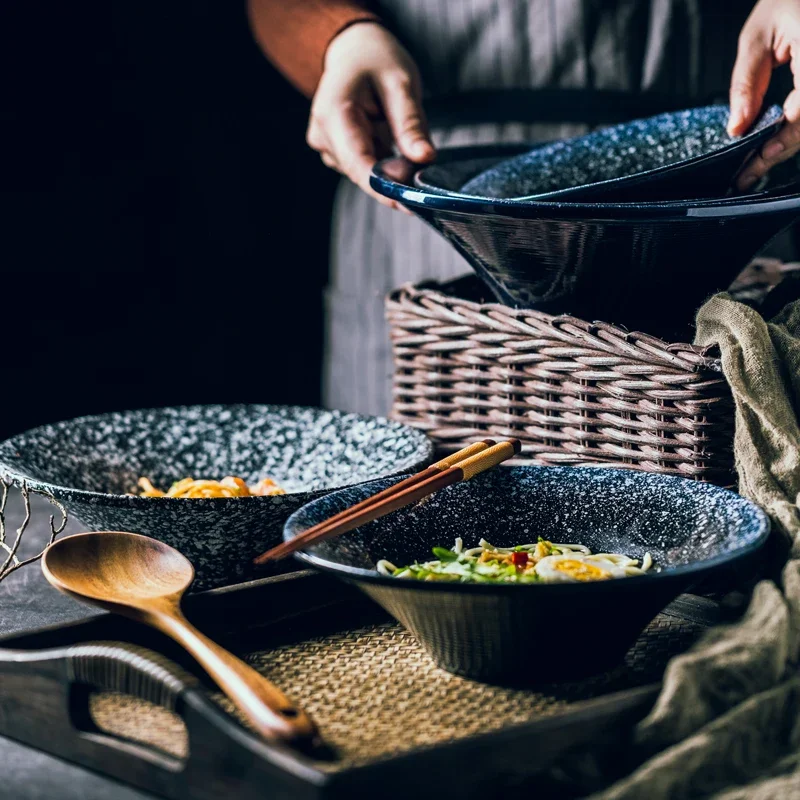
{"x":294,"y":34}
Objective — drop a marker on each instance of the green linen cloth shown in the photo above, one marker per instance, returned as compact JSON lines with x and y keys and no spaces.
{"x":727,"y":722}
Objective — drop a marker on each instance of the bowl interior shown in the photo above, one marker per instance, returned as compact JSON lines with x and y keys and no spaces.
{"x":681,"y":523}
{"x":460,"y":164}
{"x":638,"y":148}
{"x":303,"y":449}
{"x":456,"y":166}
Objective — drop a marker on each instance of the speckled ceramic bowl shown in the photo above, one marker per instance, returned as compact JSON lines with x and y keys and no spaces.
{"x":675,"y":156}
{"x":534,"y":632}
{"x":646,"y":266}
{"x":91,"y":463}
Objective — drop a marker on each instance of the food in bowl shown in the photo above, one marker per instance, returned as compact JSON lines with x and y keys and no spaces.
{"x":542,"y":562}
{"x":227,"y":487}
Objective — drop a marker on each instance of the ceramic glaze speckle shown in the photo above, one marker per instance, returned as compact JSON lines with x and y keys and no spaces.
{"x":491,"y":632}
{"x":633,"y":149}
{"x":92,"y":462}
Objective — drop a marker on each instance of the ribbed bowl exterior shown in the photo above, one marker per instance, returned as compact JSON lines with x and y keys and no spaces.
{"x":646,"y":274}
{"x":506,"y":639}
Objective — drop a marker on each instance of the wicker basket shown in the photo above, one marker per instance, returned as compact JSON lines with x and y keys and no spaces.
{"x":574,"y":392}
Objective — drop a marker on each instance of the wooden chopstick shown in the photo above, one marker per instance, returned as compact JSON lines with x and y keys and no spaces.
{"x":423,"y":484}
{"x":463,"y":470}
{"x":285,"y":548}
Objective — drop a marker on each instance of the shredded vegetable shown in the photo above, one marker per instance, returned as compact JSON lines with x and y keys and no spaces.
{"x":541,"y":562}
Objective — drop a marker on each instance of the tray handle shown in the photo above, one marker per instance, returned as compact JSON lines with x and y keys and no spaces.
{"x":128,"y":669}
{"x":44,"y":703}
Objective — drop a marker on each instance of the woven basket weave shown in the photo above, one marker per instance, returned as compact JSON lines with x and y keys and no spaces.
{"x":574,"y":392}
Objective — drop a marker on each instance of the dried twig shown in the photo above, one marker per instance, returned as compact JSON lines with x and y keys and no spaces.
{"x":12,"y":562}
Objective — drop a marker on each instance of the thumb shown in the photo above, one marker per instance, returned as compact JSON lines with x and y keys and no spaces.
{"x":749,"y":82}
{"x":403,"y":110}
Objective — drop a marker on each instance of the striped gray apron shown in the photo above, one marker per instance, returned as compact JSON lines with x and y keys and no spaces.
{"x":475,"y":51}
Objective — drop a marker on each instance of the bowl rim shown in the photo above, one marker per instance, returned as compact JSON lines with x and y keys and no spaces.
{"x":681,"y":573}
{"x":425,"y":452}
{"x":747,"y":140}
{"x":421,"y":200}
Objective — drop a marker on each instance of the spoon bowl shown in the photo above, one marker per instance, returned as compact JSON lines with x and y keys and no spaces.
{"x":141,"y":569}
{"x":145,"y":579}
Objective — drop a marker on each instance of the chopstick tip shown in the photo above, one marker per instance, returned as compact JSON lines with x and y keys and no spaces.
{"x":265,"y":558}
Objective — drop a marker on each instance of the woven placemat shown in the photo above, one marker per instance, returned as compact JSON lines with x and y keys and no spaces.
{"x":374,"y":692}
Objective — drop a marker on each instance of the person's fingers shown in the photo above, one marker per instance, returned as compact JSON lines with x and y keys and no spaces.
{"x":384,"y":141}
{"x":791,"y":108}
{"x":785,"y":145}
{"x":781,"y":147}
{"x":315,"y":135}
{"x":329,"y":161}
{"x":755,"y":170}
{"x":794,"y":64}
{"x":749,"y":81}
{"x":403,"y":109}
{"x":317,"y":140}
{"x":349,"y":134}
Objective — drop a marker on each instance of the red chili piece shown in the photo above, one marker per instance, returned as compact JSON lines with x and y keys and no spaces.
{"x":519,"y":560}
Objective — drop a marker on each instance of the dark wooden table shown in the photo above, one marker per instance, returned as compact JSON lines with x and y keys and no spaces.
{"x":27,"y":601}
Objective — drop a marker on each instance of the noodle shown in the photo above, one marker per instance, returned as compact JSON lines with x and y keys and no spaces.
{"x":227,"y":487}
{"x":543,"y":561}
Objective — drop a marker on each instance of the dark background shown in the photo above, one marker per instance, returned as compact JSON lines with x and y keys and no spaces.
{"x":164,"y":228}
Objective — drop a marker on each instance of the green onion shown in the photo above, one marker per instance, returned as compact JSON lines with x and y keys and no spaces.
{"x":451,"y":566}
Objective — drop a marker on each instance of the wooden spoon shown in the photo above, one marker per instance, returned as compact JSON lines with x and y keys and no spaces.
{"x":144,"y":579}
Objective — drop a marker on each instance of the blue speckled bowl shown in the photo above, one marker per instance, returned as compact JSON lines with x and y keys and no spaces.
{"x":675,"y":156}
{"x":520,"y":633}
{"x":646,"y":266}
{"x":90,"y":463}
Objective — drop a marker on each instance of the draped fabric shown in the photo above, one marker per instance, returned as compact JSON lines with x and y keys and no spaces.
{"x":672,"y":48}
{"x":726,"y":725}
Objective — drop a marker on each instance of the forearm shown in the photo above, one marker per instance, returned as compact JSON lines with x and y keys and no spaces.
{"x":294,"y":34}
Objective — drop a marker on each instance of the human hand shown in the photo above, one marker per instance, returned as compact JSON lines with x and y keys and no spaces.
{"x":369,"y":96}
{"x":770,"y":38}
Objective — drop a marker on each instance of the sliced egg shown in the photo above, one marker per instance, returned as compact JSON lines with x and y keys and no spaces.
{"x":575,"y":568}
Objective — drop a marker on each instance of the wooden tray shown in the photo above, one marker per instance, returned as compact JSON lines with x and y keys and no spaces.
{"x":123,"y":700}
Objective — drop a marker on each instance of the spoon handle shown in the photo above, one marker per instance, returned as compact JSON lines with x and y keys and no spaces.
{"x":267,"y":708}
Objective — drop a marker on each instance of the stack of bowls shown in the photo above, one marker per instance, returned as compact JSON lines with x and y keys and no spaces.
{"x":635,"y":225}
